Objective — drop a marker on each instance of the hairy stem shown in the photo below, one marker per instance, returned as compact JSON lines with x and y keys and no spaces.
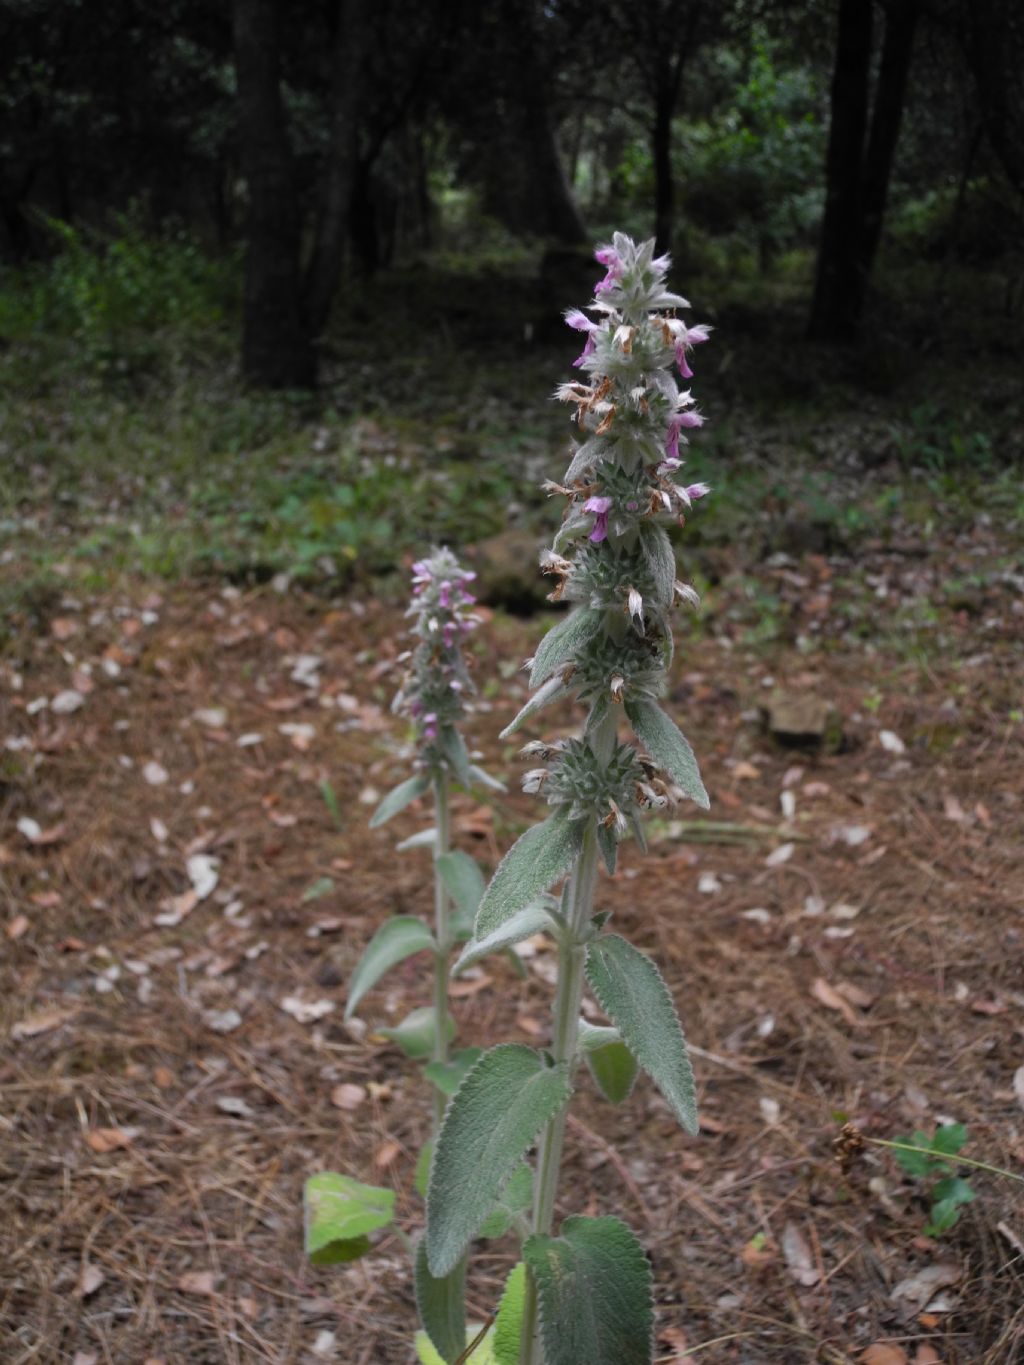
{"x":443,"y":934}
{"x":568,"y":995}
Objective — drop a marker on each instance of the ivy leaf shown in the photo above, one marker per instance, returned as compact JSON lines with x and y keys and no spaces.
{"x":533,"y":919}
{"x":440,"y":1303}
{"x":563,"y":641}
{"x":399,"y":797}
{"x":666,"y":744}
{"x":463,"y":881}
{"x":393,"y":942}
{"x":594,"y":1287}
{"x":494,"y":1117}
{"x":448,"y":1076}
{"x":415,"y":1034}
{"x":515,"y":1197}
{"x":631,"y":992}
{"x":609,"y":1061}
{"x":553,"y":690}
{"x":508,"y":1325}
{"x":340,"y":1213}
{"x":536,"y":860}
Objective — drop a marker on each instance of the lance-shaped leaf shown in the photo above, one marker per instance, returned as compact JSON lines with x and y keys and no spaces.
{"x":594,"y":1288}
{"x":535,"y":861}
{"x":508,"y":1325}
{"x":493,"y":1119}
{"x":441,"y":1305}
{"x":609,"y":1061}
{"x":421,"y":1175}
{"x":484,"y":779}
{"x":340,"y":1213}
{"x":453,"y":746}
{"x":534,"y":919}
{"x":426,"y":838}
{"x":399,"y":797}
{"x":463,"y":880}
{"x":630,"y":990}
{"x":666,"y":744}
{"x":415,"y":1034}
{"x":515,"y":1198}
{"x":448,"y":1076}
{"x":393,"y":942}
{"x":562,"y":642}
{"x":553,"y":690}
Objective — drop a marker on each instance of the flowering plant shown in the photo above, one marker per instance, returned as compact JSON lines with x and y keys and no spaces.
{"x":584,"y":1297}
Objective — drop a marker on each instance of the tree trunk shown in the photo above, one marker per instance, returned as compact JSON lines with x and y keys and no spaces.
{"x":276,"y":352}
{"x":324,"y":270}
{"x":839,"y":284}
{"x":897,"y":49}
{"x":664,"y":190}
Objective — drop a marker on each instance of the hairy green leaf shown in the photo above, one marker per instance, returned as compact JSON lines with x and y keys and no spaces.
{"x":492,"y":1120}
{"x":609,"y":1061}
{"x":421,"y":1175}
{"x":425,"y":838}
{"x":514,"y":1199}
{"x":661,"y":561}
{"x":630,"y":990}
{"x":453,"y":746}
{"x":508,"y":1325}
{"x":533,"y":919}
{"x":562,"y":642}
{"x":415,"y":1034}
{"x":441,"y":1304}
{"x":594,"y":1289}
{"x":665,"y":743}
{"x":340,"y":1213}
{"x":399,"y":797}
{"x":542,"y":855}
{"x":483,"y":1354}
{"x":463,"y":880}
{"x":553,"y":690}
{"x":393,"y":942}
{"x":483,"y":779}
{"x":448,"y":1076}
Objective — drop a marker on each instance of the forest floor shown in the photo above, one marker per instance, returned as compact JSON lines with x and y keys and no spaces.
{"x":199,"y":613}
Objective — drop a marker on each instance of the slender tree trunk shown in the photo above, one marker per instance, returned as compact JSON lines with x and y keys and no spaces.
{"x":276,"y":352}
{"x":839,"y":284}
{"x":324,"y":270}
{"x":897,"y":50}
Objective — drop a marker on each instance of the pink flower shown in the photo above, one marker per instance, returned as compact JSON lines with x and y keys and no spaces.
{"x":675,"y":425}
{"x":600,"y":507}
{"x":698,"y":490}
{"x":588,"y":350}
{"x":579,"y":321}
{"x":609,"y":257}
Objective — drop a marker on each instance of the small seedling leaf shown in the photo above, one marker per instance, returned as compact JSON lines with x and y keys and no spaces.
{"x":340,"y":1213}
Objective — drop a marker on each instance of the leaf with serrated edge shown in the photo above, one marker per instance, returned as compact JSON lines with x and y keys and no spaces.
{"x":448,"y":1076}
{"x":339,"y":1213}
{"x":594,"y":1289}
{"x":667,"y":745}
{"x":398,"y":798}
{"x":553,"y":690}
{"x":494,"y":1117}
{"x":508,"y":1325}
{"x":562,"y":641}
{"x":463,"y":881}
{"x":630,"y":990}
{"x":440,"y":1303}
{"x":534,"y":919}
{"x":533,"y":863}
{"x":393,"y":942}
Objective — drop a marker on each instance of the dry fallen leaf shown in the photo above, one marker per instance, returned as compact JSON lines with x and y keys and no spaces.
{"x":915,"y":1292}
{"x":882,"y":1353}
{"x":109,"y":1139}
{"x":306,"y":1011}
{"x":829,"y":997}
{"x":198,"y":1282}
{"x":386,"y":1155}
{"x":926,"y":1354}
{"x":163,"y":1077}
{"x":1018,"y":1085}
{"x":16,"y":927}
{"x":89,"y":1281}
{"x":745,"y":772}
{"x":798,"y":1256}
{"x":42,"y":1022}
{"x":676,"y":1338}
{"x":348,"y":1096}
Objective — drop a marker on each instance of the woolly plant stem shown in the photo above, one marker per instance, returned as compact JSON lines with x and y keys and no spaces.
{"x":568,"y":997}
{"x":443,"y":935}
